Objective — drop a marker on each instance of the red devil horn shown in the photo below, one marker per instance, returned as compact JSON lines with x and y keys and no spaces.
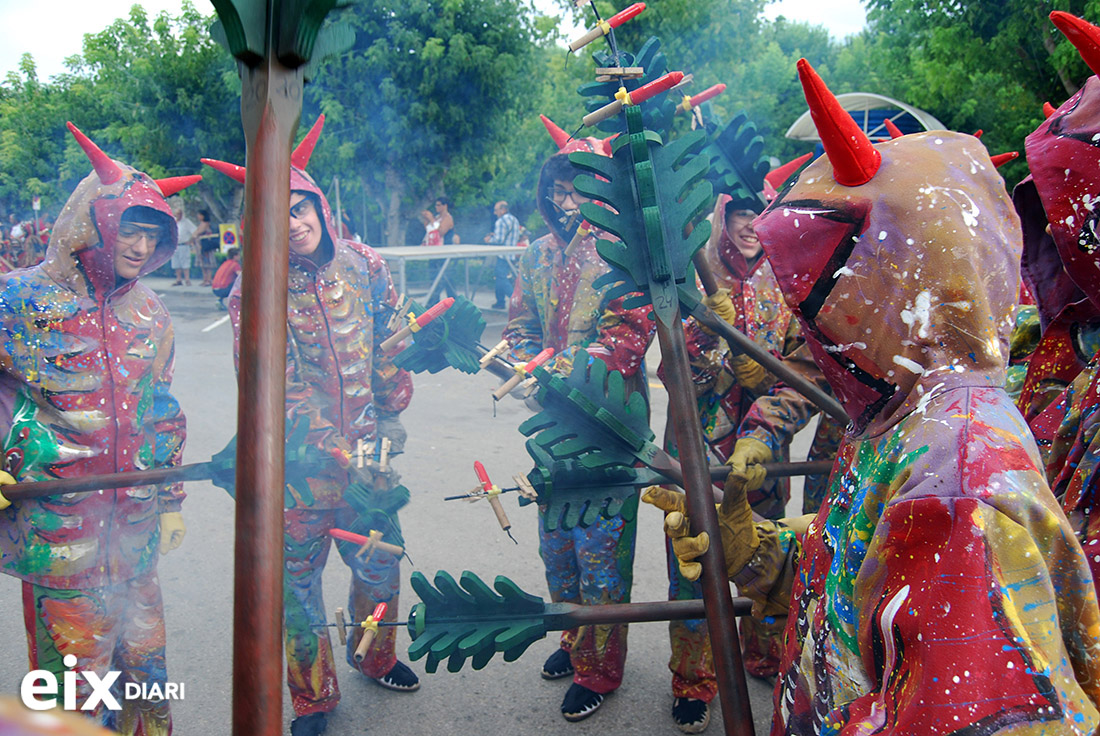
{"x":107,"y":170}
{"x":300,"y":157}
{"x":854,"y":159}
{"x":1082,"y":34}
{"x":893,"y":130}
{"x":1048,"y":109}
{"x":560,"y":136}
{"x":780,"y":174}
{"x":175,"y":184}
{"x":1003,"y":158}
{"x":231,"y":170}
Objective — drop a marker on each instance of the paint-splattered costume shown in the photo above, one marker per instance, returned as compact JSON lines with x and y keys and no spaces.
{"x":85,"y":370}
{"x":341,"y":383}
{"x":940,"y":589}
{"x":555,"y":305}
{"x":1064,"y":156}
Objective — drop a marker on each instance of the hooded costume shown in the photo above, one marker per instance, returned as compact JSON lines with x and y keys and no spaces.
{"x":85,"y":369}
{"x":339,"y":381}
{"x":940,"y":590}
{"x":1064,"y":157}
{"x":555,"y":305}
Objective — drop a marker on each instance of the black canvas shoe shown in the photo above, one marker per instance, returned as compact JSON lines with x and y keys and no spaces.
{"x":691,"y":715}
{"x":557,"y":665}
{"x":313,"y":724}
{"x":399,"y":678}
{"x":580,"y":702}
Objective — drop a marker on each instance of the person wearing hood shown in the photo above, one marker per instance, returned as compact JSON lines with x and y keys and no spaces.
{"x":940,"y":589}
{"x":726,"y":383}
{"x":87,"y":356}
{"x":555,"y":305}
{"x":340,"y":383}
{"x":1063,"y":156}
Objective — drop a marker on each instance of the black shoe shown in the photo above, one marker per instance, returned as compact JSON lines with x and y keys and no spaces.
{"x":498,"y":305}
{"x":557,"y":665}
{"x":313,"y":724}
{"x":399,"y":678}
{"x":580,"y":702}
{"x":691,"y":715}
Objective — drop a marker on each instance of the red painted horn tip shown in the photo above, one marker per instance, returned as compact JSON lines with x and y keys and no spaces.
{"x":1048,"y":109}
{"x":1003,"y":158}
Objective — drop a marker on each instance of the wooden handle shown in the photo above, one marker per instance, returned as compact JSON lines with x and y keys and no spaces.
{"x":395,"y":339}
{"x":498,"y":509}
{"x":496,"y":350}
{"x":341,"y":626}
{"x":506,"y":388}
{"x":364,"y":645}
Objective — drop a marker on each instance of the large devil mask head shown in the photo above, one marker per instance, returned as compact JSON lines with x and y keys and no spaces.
{"x":1064,"y":157}
{"x":900,"y":259}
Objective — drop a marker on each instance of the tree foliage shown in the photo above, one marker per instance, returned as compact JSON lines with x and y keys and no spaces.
{"x":441,"y":97}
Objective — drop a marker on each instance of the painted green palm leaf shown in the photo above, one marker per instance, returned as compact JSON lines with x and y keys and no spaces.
{"x":589,"y":423}
{"x":737,"y":161}
{"x":657,"y":111}
{"x":467,"y":620}
{"x":448,"y":340}
{"x":654,"y":191}
{"x":574,"y":495}
{"x":376,"y":510}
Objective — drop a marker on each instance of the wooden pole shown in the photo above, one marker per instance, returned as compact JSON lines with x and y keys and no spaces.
{"x":271,"y":103}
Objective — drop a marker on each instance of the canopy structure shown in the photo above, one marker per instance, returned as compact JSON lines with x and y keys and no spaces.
{"x":870,"y":111}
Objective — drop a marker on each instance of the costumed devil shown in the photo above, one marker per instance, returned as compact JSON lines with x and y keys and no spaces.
{"x":940,"y":589}
{"x":85,"y":371}
{"x":555,"y":305}
{"x":340,"y":300}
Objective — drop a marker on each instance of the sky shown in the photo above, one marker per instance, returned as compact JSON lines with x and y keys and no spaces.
{"x":52,"y":30}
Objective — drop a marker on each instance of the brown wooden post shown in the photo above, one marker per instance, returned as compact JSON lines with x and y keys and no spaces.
{"x":271,"y":103}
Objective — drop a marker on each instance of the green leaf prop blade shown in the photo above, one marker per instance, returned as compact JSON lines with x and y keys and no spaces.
{"x":466,"y":620}
{"x":737,"y":162}
{"x":448,"y":340}
{"x":654,"y":192}
{"x":588,"y":423}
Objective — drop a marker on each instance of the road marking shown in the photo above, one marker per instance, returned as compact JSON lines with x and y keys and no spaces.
{"x":216,"y":323}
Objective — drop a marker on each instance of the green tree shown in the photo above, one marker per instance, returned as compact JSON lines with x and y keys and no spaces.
{"x":428,"y":94}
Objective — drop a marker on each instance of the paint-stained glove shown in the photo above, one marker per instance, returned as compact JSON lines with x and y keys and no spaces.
{"x":739,"y":540}
{"x":5,"y":480}
{"x":750,"y":374}
{"x":747,"y":464}
{"x":172,"y":531}
{"x":723,"y":306}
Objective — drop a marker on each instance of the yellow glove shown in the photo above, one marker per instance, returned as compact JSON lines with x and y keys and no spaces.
{"x":172,"y":530}
{"x":739,"y":540}
{"x":746,"y":465}
{"x":750,"y":374}
{"x":721,"y":304}
{"x":5,"y":480}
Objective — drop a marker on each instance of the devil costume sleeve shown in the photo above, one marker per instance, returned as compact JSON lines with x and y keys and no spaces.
{"x":940,"y":590}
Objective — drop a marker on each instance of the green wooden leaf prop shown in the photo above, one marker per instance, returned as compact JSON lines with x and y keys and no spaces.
{"x":654,"y":191}
{"x":737,"y":161}
{"x":468,"y":620}
{"x":301,"y":461}
{"x":588,"y":422}
{"x":657,"y":111}
{"x":448,"y":340}
{"x":376,"y":510}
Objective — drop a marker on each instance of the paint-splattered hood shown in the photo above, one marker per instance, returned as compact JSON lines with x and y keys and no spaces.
{"x":300,"y":181}
{"x":80,"y":254}
{"x":905,"y":285}
{"x":1064,"y":157}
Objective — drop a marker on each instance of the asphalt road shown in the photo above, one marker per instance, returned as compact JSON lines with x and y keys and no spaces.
{"x":451,"y":423}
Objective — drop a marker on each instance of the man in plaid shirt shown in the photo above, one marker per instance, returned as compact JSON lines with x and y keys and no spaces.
{"x":506,"y":231}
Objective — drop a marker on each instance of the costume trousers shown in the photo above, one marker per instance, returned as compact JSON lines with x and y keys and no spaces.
{"x":118,"y":628}
{"x":593,"y":566}
{"x":311,"y":672}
